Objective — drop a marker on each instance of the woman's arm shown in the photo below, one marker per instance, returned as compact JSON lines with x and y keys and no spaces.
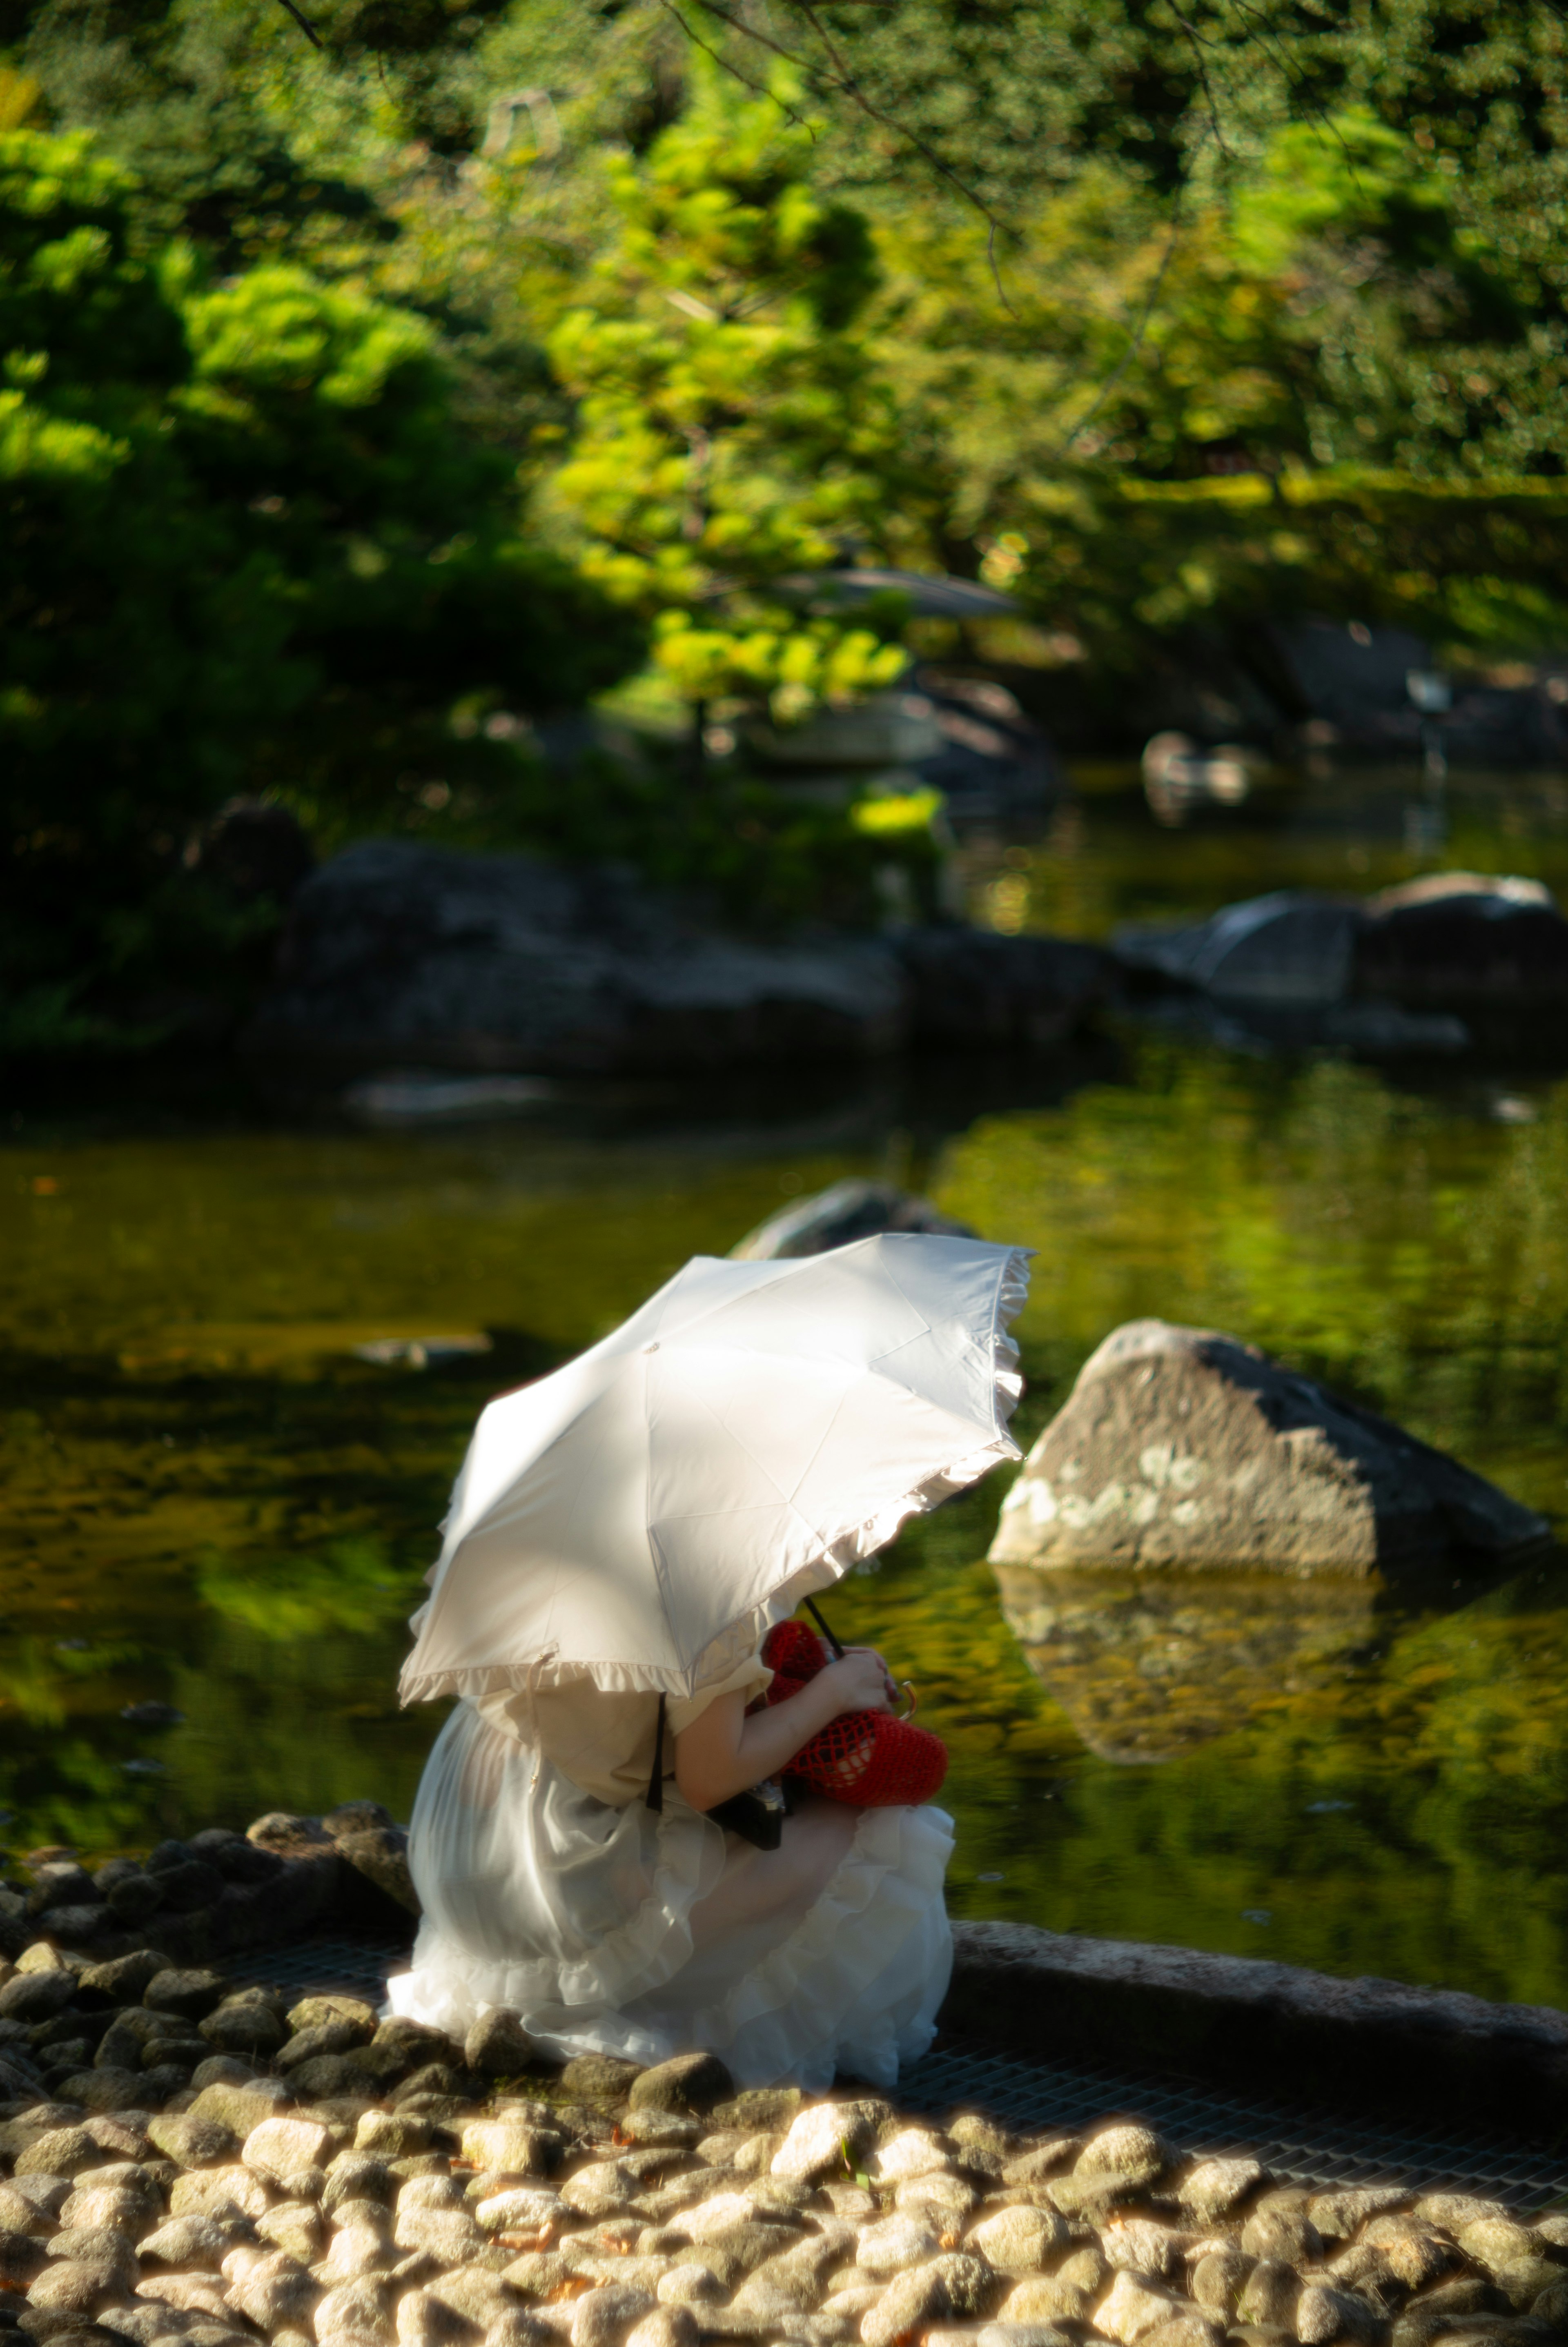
{"x":724,"y":1752}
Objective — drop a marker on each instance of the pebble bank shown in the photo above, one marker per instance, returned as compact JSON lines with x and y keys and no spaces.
{"x":184,"y":2160}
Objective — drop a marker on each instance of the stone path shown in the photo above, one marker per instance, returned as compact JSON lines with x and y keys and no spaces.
{"x":190,"y":2161}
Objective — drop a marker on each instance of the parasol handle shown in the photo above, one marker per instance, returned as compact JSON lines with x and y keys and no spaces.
{"x":836,"y":1643}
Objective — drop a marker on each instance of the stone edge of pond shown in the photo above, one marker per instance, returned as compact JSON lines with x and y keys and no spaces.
{"x":1272,"y":2029}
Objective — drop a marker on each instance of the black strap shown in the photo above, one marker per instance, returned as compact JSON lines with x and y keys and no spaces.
{"x":656,"y":1782}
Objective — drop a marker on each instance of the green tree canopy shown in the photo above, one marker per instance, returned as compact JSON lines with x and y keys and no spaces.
{"x":247,"y":546}
{"x":732,"y":427}
{"x":1170,"y":319}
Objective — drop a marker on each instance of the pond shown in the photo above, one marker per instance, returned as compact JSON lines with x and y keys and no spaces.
{"x":241,"y":1360}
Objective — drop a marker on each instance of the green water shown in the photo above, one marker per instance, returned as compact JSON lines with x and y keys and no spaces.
{"x":212,"y":1504}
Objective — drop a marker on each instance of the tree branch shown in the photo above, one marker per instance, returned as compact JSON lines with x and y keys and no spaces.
{"x":1136,"y":344}
{"x":841,"y":79}
{"x":304,"y":24}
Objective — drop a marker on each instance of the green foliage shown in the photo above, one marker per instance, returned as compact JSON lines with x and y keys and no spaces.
{"x":731,"y":427}
{"x":1228,"y":246}
{"x":1337,"y":398}
{"x":247,"y":546}
{"x":1172,"y":321}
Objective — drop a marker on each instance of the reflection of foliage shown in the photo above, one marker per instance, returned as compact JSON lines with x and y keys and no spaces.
{"x":351,"y":1584}
{"x":148,"y":1232}
{"x":322,"y":1724}
{"x":1404,"y":1246}
{"x":1105,"y":862}
{"x":39,"y":1676}
{"x":32,"y":1683}
{"x":1404,"y":1817}
{"x":67,"y":1789}
{"x":1418,"y":1257}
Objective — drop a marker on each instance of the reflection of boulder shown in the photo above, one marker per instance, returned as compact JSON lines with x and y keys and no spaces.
{"x":837,"y":1216}
{"x":1147,"y":1665}
{"x":1182,"y":1448}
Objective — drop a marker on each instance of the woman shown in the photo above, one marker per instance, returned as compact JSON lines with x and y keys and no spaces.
{"x":552,"y":1886}
{"x":622,"y":1536}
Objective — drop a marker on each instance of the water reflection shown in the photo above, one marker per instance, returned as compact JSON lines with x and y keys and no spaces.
{"x":1146,"y":1666}
{"x":213,"y":1507}
{"x":352,"y":1585}
{"x":1408,"y":1247}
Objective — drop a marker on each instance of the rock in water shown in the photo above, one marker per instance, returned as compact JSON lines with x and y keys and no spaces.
{"x":1291,"y":950}
{"x":976,"y":989}
{"x":402,"y":955}
{"x":1184,"y":1447}
{"x":1451,"y":941}
{"x":1465,"y":940}
{"x":839,"y":1215}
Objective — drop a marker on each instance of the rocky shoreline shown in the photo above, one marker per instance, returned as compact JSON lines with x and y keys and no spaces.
{"x":186,"y":2161}
{"x":220,"y":1892}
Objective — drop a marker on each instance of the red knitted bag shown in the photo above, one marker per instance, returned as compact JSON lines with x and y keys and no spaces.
{"x":868,"y":1758}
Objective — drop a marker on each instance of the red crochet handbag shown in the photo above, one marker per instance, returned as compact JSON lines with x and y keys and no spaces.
{"x":868,"y":1758}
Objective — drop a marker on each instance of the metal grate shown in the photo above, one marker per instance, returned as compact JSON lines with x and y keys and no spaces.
{"x":323,"y":1967}
{"x":1304,"y":2145}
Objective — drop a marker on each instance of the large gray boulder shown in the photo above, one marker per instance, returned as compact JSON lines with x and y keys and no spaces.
{"x":1352,"y":679}
{"x":1465,"y":940}
{"x":1468,"y":942}
{"x":1185,"y":1449}
{"x":1291,"y":949}
{"x":399,"y":957}
{"x":397,"y":954}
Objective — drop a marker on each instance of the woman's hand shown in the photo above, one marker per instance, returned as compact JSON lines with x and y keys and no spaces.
{"x":725,"y":1751}
{"x":859,"y":1681}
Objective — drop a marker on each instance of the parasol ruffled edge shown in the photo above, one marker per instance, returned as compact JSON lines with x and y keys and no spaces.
{"x":850,"y":1546}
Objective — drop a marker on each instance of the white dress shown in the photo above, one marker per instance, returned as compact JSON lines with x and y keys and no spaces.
{"x":615,"y":1928}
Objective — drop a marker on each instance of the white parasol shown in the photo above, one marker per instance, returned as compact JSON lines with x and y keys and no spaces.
{"x":643,"y":1515}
